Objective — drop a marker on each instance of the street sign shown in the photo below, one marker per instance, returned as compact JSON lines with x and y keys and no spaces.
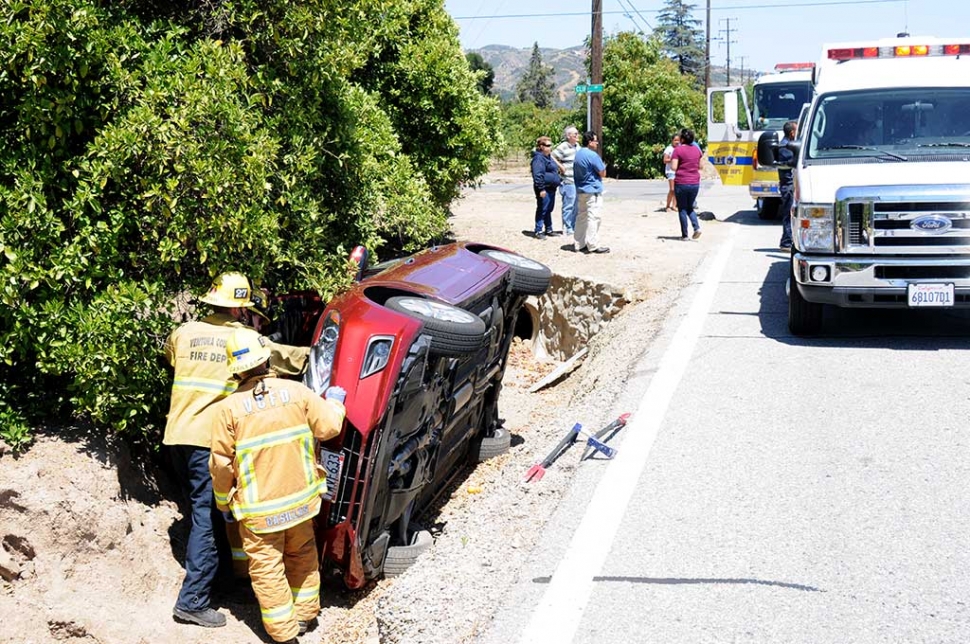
{"x":580,"y":89}
{"x":594,"y":88}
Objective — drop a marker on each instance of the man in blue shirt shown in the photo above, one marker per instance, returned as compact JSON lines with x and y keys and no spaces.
{"x":588,"y":173}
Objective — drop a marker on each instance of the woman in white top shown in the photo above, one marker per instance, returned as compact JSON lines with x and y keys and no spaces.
{"x":669,"y":172}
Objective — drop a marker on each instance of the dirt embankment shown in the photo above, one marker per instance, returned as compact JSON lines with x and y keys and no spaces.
{"x":90,"y":545}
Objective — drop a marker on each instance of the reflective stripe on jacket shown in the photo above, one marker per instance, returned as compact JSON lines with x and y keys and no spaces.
{"x":262,"y":460}
{"x":197,"y":351}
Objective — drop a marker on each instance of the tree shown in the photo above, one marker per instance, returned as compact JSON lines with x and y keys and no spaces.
{"x":487,"y":73}
{"x":536,"y":84}
{"x":148,"y":146}
{"x":523,"y":123}
{"x":682,"y":38}
{"x":645,"y":100}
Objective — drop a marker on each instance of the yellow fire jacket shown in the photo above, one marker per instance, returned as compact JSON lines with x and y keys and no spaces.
{"x":262,"y":460}
{"x":197,"y":351}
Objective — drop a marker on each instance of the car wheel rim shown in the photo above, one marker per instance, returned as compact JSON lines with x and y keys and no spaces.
{"x":437,"y":310}
{"x":514,"y":260}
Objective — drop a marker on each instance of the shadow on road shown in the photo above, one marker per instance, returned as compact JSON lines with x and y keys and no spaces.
{"x":902,"y":329}
{"x":750,"y":218}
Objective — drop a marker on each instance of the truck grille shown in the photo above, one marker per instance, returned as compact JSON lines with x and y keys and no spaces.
{"x":880,"y":223}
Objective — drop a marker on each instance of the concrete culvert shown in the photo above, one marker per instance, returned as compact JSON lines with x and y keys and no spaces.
{"x":527,"y":322}
{"x":571,"y":312}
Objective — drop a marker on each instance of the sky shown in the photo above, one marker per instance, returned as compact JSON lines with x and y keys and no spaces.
{"x":762,"y":32}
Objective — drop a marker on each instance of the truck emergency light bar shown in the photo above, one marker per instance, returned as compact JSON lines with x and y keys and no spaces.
{"x":899,"y":51}
{"x":787,"y":67}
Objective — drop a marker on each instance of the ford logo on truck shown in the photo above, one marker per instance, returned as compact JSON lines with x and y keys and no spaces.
{"x":931,"y":224}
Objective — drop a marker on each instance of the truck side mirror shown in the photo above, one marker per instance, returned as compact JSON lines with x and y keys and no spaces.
{"x":767,"y":149}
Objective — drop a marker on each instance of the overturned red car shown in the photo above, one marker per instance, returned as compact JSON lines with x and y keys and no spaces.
{"x":420,"y":344}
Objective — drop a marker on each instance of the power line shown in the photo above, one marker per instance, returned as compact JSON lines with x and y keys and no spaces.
{"x":803,"y":4}
{"x":645,"y":21}
{"x":782,"y":5}
{"x":630,"y":16}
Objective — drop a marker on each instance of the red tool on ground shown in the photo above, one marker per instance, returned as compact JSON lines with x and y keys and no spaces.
{"x":538,"y":470}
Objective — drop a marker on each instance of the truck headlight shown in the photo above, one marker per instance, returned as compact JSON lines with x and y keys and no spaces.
{"x":814,"y":227}
{"x":322,"y":355}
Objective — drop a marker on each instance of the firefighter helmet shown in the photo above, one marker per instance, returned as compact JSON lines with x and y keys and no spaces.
{"x":230,"y":290}
{"x":261,"y":304}
{"x":245,"y":349}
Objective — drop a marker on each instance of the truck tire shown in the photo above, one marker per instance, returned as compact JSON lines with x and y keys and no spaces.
{"x":804,"y":317}
{"x":529,"y":277}
{"x":400,"y":558}
{"x":453,"y":331}
{"x":768,"y":208}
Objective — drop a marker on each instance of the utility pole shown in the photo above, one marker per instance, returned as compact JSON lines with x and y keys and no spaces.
{"x":742,"y":68}
{"x":707,"y":48}
{"x":728,"y":40}
{"x":596,"y":70}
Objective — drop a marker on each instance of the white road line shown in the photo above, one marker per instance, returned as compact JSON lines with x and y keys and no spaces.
{"x":560,"y":611}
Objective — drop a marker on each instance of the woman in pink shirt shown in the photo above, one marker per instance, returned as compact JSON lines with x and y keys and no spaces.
{"x":686,"y":164}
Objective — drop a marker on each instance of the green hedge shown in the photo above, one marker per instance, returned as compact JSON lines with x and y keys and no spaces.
{"x":147,"y":147}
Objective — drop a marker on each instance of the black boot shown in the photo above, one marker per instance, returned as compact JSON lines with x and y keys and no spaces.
{"x":207,"y":617}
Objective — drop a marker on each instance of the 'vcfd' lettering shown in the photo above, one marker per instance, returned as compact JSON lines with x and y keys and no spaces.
{"x":269,"y":399}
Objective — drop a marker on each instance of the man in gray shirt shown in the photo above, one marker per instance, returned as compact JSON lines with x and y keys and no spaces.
{"x":564,"y":154}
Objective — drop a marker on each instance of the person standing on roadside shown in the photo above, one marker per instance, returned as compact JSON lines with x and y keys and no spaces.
{"x":786,"y":183}
{"x":686,"y":163}
{"x":564,"y":154}
{"x":196,"y":351}
{"x":669,"y":171}
{"x":545,"y":181}
{"x":264,"y":472}
{"x":588,"y":173}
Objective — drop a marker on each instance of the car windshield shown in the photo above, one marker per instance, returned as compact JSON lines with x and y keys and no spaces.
{"x":777,"y":103}
{"x":890,"y":124}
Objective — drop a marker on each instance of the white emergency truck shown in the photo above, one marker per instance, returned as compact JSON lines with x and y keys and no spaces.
{"x":733,"y":130}
{"x":778,"y":98}
{"x":882,"y":183}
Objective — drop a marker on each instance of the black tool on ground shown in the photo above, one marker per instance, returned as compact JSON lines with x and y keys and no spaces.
{"x":538,"y":470}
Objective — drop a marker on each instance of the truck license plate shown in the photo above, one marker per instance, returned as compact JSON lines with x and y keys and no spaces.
{"x":333,"y":465}
{"x":929,"y":294}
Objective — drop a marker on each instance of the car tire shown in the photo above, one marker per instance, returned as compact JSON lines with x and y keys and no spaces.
{"x":453,"y":331}
{"x":768,"y":207}
{"x":400,"y":558}
{"x":495,"y":445}
{"x":529,"y":277}
{"x":804,"y":317}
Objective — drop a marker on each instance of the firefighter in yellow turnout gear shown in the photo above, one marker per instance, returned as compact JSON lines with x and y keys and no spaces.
{"x":196,"y":351}
{"x":264,"y":472}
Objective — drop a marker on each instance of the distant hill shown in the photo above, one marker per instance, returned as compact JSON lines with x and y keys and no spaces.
{"x":510,"y":63}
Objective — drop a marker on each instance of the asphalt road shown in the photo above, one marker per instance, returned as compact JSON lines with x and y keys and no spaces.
{"x":769,"y":488}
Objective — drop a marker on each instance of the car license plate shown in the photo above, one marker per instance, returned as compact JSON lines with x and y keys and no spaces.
{"x":929,"y":294}
{"x":333,"y":465}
